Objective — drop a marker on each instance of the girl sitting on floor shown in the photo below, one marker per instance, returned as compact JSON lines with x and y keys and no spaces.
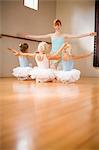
{"x":22,"y":72}
{"x":68,"y":73}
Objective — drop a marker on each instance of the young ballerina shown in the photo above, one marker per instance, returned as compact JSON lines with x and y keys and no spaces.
{"x":69,"y":74}
{"x":22,"y":72}
{"x":57,"y":39}
{"x":42,"y":72}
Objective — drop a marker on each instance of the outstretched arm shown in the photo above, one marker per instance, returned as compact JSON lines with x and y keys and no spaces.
{"x":13,"y":50}
{"x":74,"y":57}
{"x":79,"y":36}
{"x":25,"y":35}
{"x":54,"y":57}
{"x":57,"y":56}
{"x":21,"y":54}
{"x":26,"y":54}
{"x":64,"y":46}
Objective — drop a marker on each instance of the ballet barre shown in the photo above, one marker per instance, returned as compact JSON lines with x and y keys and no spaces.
{"x":23,"y":38}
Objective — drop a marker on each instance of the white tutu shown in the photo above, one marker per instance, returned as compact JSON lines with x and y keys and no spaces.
{"x":21,"y":72}
{"x":67,"y":76}
{"x":42,"y":74}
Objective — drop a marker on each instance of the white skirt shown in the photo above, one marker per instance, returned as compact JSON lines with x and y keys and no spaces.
{"x":42,"y":74}
{"x":21,"y":71}
{"x":67,"y":76}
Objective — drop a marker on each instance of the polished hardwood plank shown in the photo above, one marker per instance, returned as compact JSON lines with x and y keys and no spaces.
{"x":49,"y":116}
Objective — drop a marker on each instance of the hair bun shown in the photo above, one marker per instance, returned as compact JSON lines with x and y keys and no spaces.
{"x":23,"y":46}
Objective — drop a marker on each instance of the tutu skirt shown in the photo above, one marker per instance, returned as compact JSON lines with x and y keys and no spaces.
{"x":42,"y":74}
{"x":67,"y":76}
{"x":21,"y":72}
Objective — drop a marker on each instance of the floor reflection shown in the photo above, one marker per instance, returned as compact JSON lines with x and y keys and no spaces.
{"x":94,"y":118}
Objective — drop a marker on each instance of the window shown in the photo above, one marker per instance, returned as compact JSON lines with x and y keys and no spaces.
{"x":31,"y":4}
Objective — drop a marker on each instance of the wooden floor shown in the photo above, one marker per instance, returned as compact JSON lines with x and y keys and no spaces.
{"x":49,"y":116}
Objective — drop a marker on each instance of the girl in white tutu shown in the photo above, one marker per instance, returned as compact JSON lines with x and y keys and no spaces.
{"x":42,"y":72}
{"x":68,"y":73}
{"x":22,"y":72}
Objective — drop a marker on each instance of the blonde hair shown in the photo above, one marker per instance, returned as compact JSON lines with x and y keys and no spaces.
{"x":69,"y":50}
{"x":43,"y":47}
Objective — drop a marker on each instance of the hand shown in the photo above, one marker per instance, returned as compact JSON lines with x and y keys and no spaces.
{"x":10,"y":49}
{"x":66,"y":45}
{"x":13,"y":50}
{"x":67,"y":48}
{"x":93,"y":34}
{"x":91,"y":53}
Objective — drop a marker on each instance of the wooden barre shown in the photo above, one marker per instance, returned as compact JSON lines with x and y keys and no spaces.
{"x":17,"y":37}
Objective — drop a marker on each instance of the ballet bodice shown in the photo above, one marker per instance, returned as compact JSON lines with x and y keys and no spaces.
{"x":57,"y":42}
{"x":67,"y":65}
{"x":44,"y":64}
{"x":23,"y":61}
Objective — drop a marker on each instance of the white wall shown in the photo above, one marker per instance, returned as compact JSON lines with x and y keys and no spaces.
{"x":17,"y":18}
{"x":78,"y":17}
